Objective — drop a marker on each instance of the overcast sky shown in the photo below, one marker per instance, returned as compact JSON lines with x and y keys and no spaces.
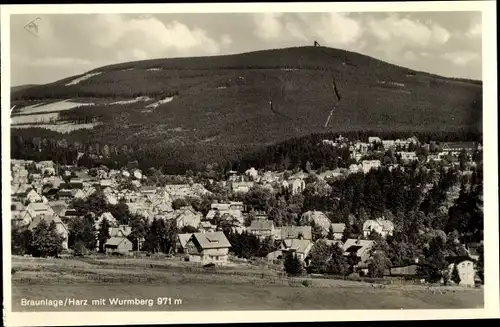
{"x":445,"y":43}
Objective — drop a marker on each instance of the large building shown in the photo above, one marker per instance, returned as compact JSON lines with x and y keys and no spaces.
{"x":207,"y":248}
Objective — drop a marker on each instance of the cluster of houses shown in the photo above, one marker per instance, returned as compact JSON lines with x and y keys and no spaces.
{"x":44,"y":191}
{"x":404,"y":148}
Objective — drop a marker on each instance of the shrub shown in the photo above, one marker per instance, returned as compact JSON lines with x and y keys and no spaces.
{"x":307,"y":283}
{"x":80,"y":250}
{"x":293,"y":265}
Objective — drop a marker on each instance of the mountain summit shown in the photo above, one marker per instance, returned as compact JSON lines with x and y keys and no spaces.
{"x":252,"y":99}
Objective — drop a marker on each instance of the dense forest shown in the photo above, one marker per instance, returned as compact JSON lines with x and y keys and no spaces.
{"x":291,"y":154}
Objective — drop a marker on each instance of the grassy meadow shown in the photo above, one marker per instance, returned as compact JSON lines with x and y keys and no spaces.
{"x":236,"y":287}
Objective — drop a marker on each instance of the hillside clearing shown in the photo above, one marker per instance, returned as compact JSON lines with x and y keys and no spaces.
{"x":83,"y":78}
{"x":63,"y":128}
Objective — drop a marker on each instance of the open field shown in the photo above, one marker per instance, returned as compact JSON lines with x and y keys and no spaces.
{"x":238,"y":287}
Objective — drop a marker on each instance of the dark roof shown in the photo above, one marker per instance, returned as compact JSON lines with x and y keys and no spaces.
{"x":459,"y":258}
{"x":115,"y":241}
{"x":261,"y":224}
{"x":407,"y":270}
{"x":212,"y":240}
{"x":353,"y":248}
{"x":294,"y":231}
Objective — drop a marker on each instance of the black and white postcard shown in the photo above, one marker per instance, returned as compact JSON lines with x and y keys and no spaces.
{"x":190,"y":163}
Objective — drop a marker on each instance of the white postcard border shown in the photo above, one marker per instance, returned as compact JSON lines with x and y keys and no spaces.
{"x":492,"y":303}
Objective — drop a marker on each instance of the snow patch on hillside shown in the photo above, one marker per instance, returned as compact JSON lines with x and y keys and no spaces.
{"x":392,"y":83}
{"x":50,"y":107}
{"x":83,"y":78}
{"x":44,"y":113}
{"x":153,"y":69}
{"x":158,"y":103}
{"x":138,"y":99}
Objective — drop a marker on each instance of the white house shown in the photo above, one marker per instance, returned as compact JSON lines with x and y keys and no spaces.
{"x":367,"y":165}
{"x":466,"y":271}
{"x":241,"y":187}
{"x":408,"y":156}
{"x":354,"y":169}
{"x":298,"y":185}
{"x":137,"y":174}
{"x":252,"y":173}
{"x":382,"y":226}
{"x":387,"y":144}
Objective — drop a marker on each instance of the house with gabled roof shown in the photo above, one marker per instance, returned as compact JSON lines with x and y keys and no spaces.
{"x":465,"y":266}
{"x":297,"y":232}
{"x":61,"y":227}
{"x":456,"y":147}
{"x":319,"y":218}
{"x":206,"y":226}
{"x":21,"y":190}
{"x":374,"y":139}
{"x":360,"y":248}
{"x":188,"y":217}
{"x":181,"y":242}
{"x":33,"y":196}
{"x":58,"y":206}
{"x":70,"y":194}
{"x":207,"y":248}
{"x":338,"y":230}
{"x":118,"y":245}
{"x":109,"y":218}
{"x":120,"y":231}
{"x":262,"y":228}
{"x":300,"y":247}
{"x":35,"y":209}
{"x":382,"y":226}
